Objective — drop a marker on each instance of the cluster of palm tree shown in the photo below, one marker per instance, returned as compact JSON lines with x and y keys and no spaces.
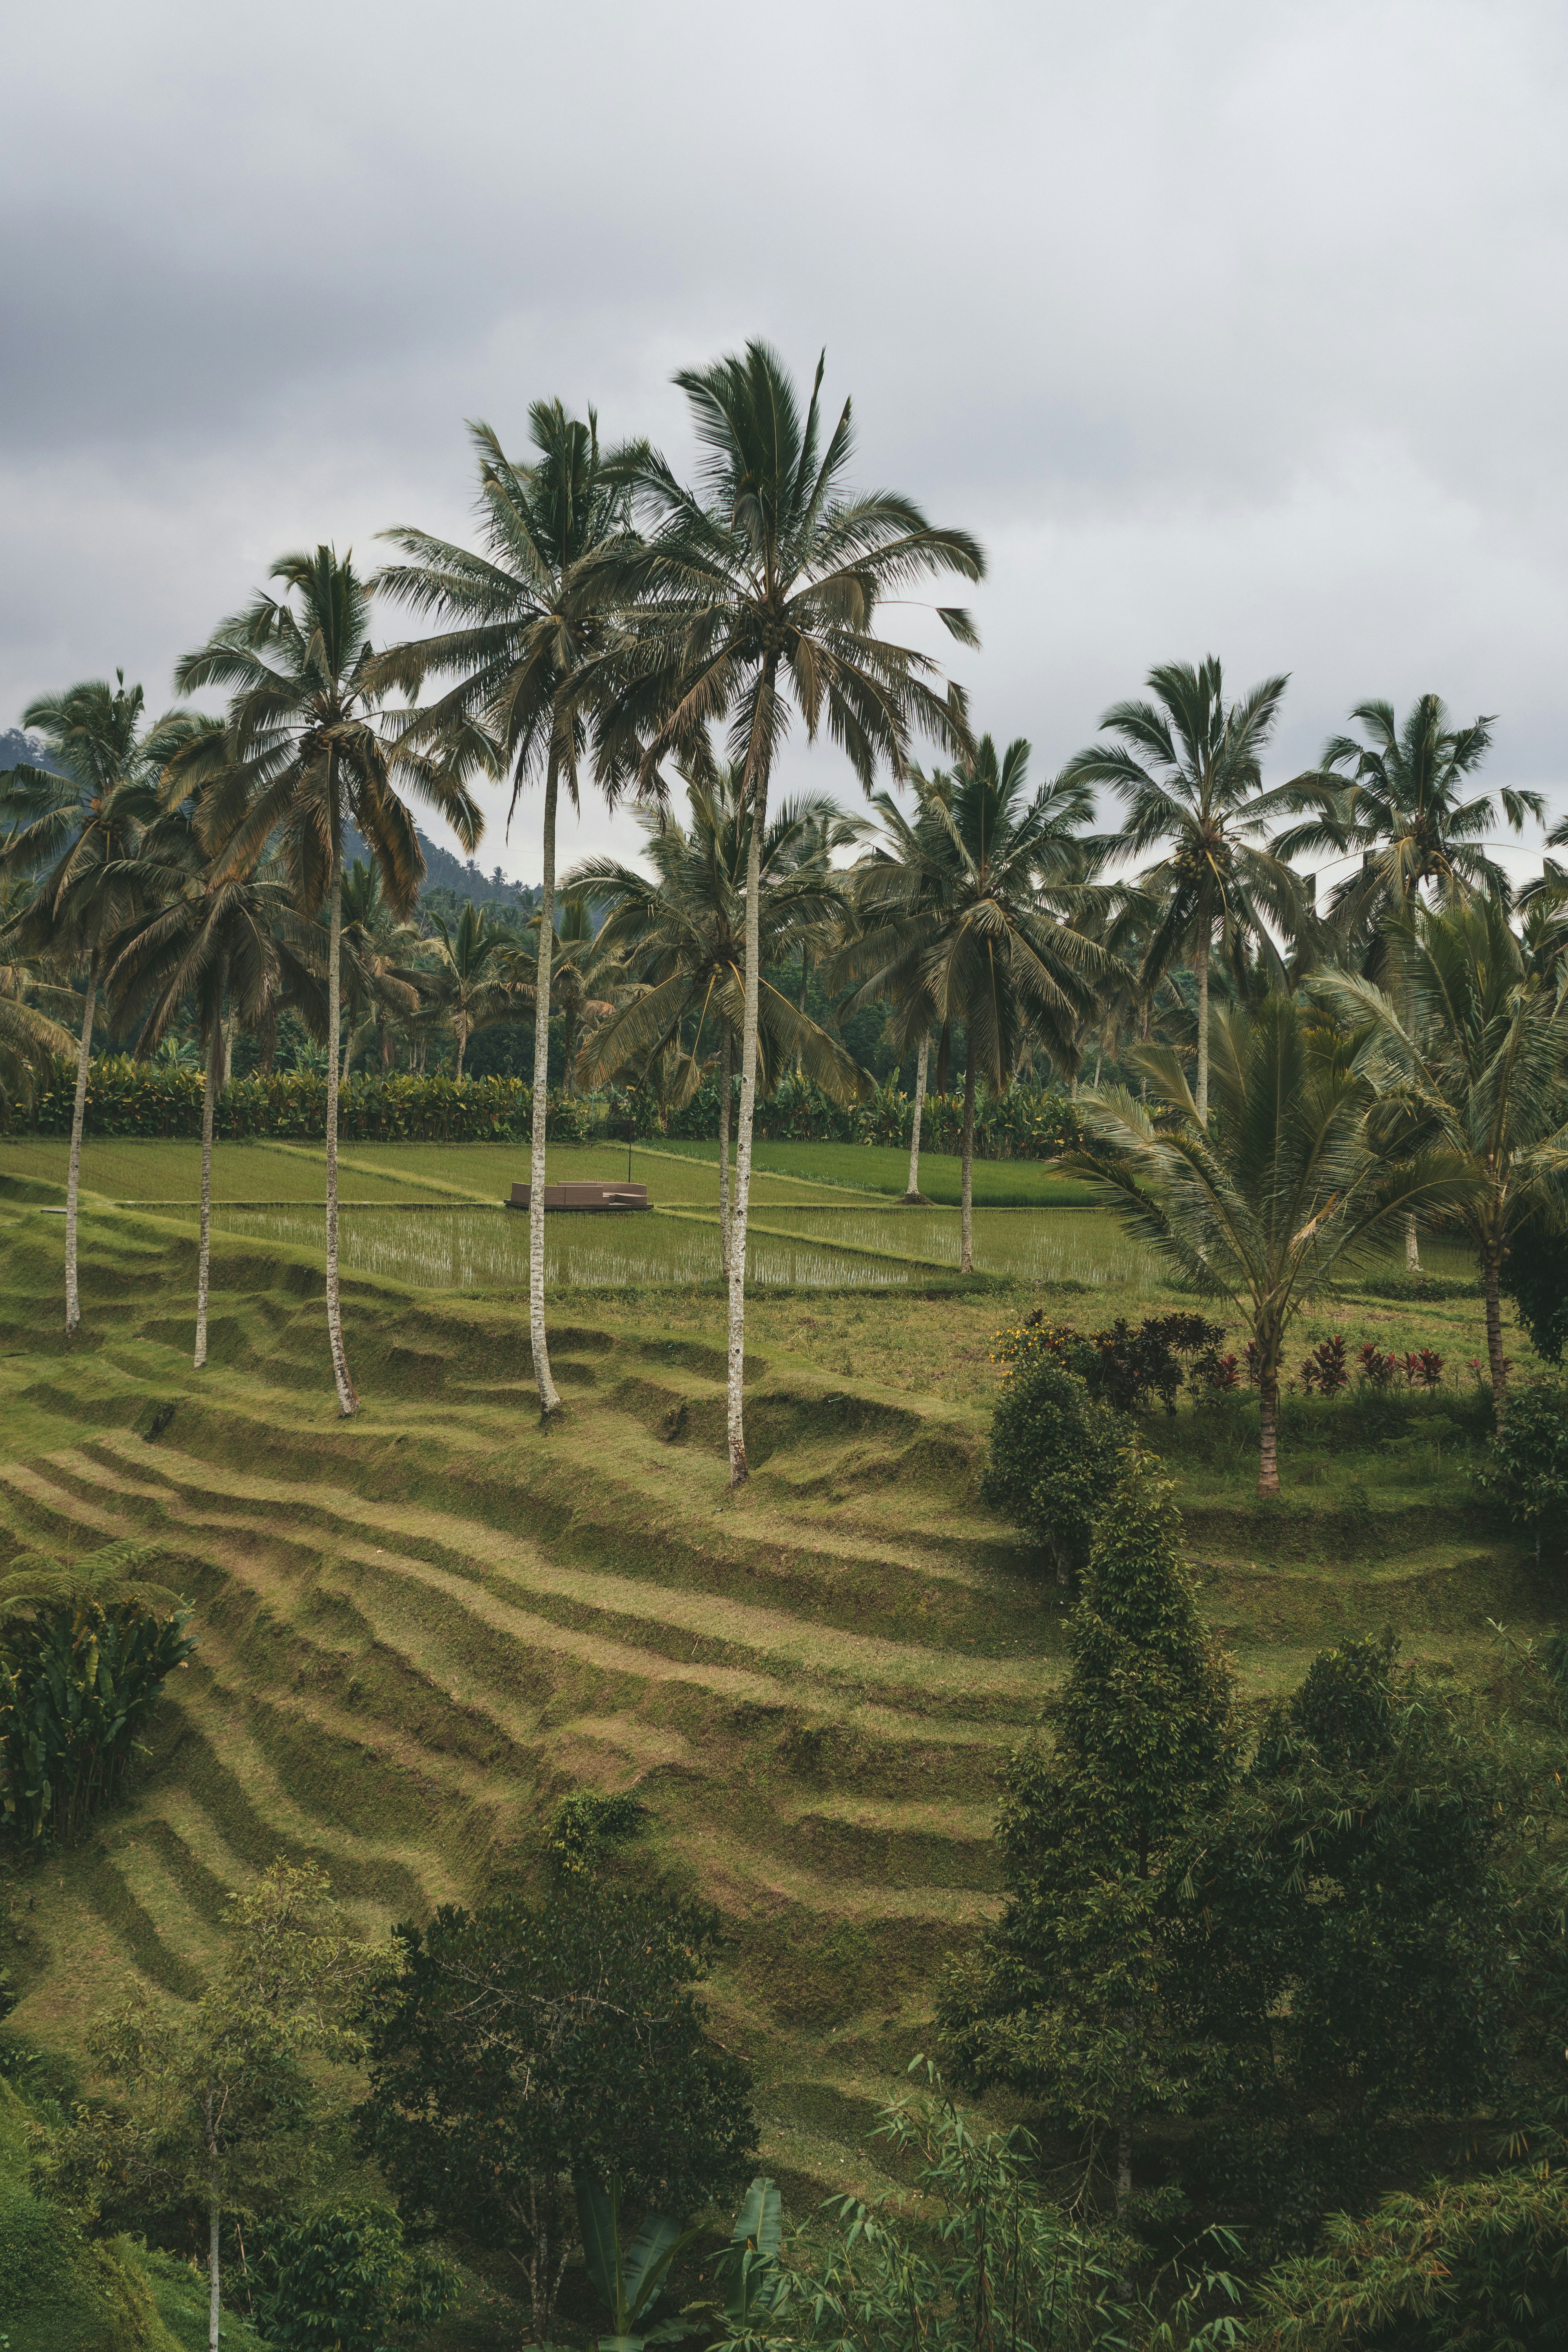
{"x":618,"y":630}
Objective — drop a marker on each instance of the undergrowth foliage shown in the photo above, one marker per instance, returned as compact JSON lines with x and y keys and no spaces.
{"x":1055,"y":1457}
{"x":1127,"y":1366}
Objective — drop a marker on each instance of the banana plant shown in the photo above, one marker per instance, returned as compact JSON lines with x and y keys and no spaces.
{"x":628,"y":2280}
{"x":750,"y":2263}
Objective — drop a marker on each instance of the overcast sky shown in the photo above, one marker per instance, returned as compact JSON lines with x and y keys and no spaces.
{"x":1230,"y":328}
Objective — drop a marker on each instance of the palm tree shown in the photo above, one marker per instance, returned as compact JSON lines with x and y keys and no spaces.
{"x":306,"y":751}
{"x":755,"y":597}
{"x":1285,"y":1184}
{"x":379,"y":982}
{"x":1189,"y":768}
{"x":77,"y":829}
{"x":522,"y":620}
{"x":222,"y":946}
{"x":1479,"y":1046}
{"x":474,"y":980}
{"x":958,"y":928}
{"x":683,"y":934}
{"x":586,"y":971}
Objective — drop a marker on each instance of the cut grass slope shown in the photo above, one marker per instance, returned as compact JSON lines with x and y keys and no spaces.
{"x":421,"y":1628}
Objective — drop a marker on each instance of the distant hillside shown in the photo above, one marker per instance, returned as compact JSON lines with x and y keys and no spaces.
{"x":445,"y":872}
{"x":15,"y":747}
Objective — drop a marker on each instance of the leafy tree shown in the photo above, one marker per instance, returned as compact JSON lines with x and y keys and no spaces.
{"x":1534,"y":1275}
{"x":1066,"y":1999}
{"x":308,"y":750}
{"x":1189,"y":768}
{"x":1347,"y":1949}
{"x":521,"y":625}
{"x":84,"y":1652}
{"x":682,"y":934}
{"x":523,"y":2044}
{"x":1054,"y":1459}
{"x":216,"y":2105}
{"x":75,"y":827}
{"x":959,"y":927}
{"x":1285,"y":1184}
{"x":1481,"y":1062}
{"x":342,"y":2279}
{"x":1526,"y":1468}
{"x":755,"y":596}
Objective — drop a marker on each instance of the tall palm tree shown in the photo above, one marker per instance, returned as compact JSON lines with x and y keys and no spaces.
{"x":755,"y":597}
{"x":76,"y":828}
{"x":474,"y":980}
{"x":1189,"y":768}
{"x":585,"y":973}
{"x":1479,"y":1045}
{"x":308,"y":750}
{"x":1285,"y":1184}
{"x":683,"y":934}
{"x":520,"y":622}
{"x":380,"y":983}
{"x":220,"y":946}
{"x":958,"y":929}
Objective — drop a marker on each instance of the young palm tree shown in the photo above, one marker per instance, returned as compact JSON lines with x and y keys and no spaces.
{"x":521,"y":622}
{"x":31,"y":997}
{"x":683,"y":934}
{"x":1479,"y":1046}
{"x":76,"y":830}
{"x":1285,"y":1184}
{"x":1189,"y":768}
{"x":585,"y":974}
{"x":958,"y":928}
{"x":306,"y":751}
{"x":379,"y":982}
{"x":474,"y":980}
{"x":755,"y":597}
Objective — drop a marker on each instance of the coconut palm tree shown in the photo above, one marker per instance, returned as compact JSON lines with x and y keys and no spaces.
{"x":475,"y":978}
{"x":1285,"y":1184}
{"x":379,"y":982}
{"x":1479,"y":1046}
{"x":957,"y":927}
{"x":683,"y":934}
{"x":308,"y":750}
{"x":755,"y":597}
{"x":75,"y":827}
{"x":1189,"y":768}
{"x":586,"y":974}
{"x":34,"y":1002}
{"x":521,"y":622}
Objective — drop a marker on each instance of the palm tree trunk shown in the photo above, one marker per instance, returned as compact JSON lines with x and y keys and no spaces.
{"x":215,"y":2274}
{"x":462,"y":1046}
{"x":549,"y":1396}
{"x":1123,"y":2162}
{"x":755,"y":790}
{"x":1203,"y":1097}
{"x":210,"y":1093}
{"x":966,"y":1213}
{"x":1496,"y":1361}
{"x":347,"y":1400}
{"x":79,"y":1117}
{"x":922,"y":1059}
{"x":724,"y":1146}
{"x":805,"y":975}
{"x":1268,"y":1442}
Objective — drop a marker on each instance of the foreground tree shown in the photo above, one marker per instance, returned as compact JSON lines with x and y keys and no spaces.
{"x":683,"y":934}
{"x":76,"y":832}
{"x":755,"y":597}
{"x":522,"y":625}
{"x":1067,"y":2000}
{"x":1480,"y":1060}
{"x":524,"y":2044}
{"x":1288,"y":1183}
{"x":1189,"y":768}
{"x":307,"y":751}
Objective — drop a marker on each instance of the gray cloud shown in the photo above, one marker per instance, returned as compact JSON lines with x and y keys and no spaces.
{"x":1226,"y":328}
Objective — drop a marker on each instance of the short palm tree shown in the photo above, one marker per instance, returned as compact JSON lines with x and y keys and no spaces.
{"x":76,"y":830}
{"x":32,"y":997}
{"x":474,"y":978}
{"x":1285,"y":1184}
{"x":380,"y":985}
{"x":959,"y":928}
{"x":755,"y":597}
{"x":586,"y":976}
{"x":1189,"y":768}
{"x":519,"y":625}
{"x":306,"y":751}
{"x":1479,"y":1048}
{"x":683,"y":934}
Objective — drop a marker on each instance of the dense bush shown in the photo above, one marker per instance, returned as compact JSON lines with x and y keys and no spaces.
{"x":1526,"y":1468}
{"x":1127,"y":1367}
{"x":343,"y":2280}
{"x":1014,"y":1126}
{"x":1535,"y":1276}
{"x":1055,"y":1455}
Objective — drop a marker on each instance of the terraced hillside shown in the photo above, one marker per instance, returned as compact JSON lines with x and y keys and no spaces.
{"x":421,"y":1628}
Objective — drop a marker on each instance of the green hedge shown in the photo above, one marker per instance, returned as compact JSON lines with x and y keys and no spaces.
{"x":1015,"y":1126}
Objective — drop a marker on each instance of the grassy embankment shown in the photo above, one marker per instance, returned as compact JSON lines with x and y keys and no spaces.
{"x":422,"y":1627}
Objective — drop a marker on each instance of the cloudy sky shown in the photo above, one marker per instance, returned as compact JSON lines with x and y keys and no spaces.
{"x":1231,"y":328}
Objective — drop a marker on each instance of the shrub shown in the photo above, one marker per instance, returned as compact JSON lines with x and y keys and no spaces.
{"x":1054,"y":1462}
{"x":1122,"y":1367}
{"x":1526,"y":1468}
{"x":586,"y":1821}
{"x":1535,"y":1276}
{"x":1325,"y":1370}
{"x":341,"y":2280}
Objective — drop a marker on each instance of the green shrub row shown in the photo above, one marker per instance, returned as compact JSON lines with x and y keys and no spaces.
{"x":1015,"y":1126}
